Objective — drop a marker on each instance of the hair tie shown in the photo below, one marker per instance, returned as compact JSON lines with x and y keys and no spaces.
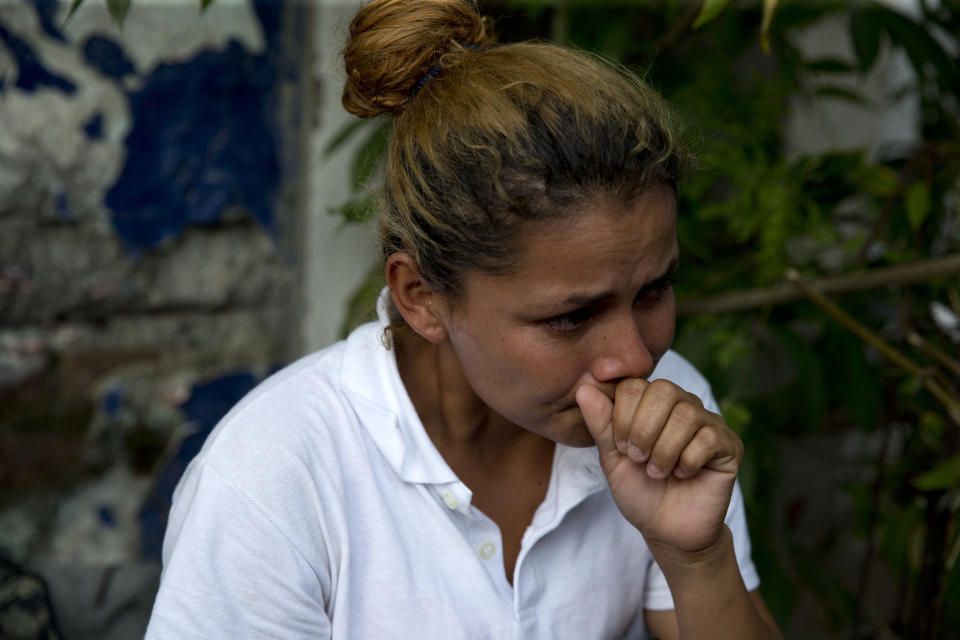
{"x":434,"y":70}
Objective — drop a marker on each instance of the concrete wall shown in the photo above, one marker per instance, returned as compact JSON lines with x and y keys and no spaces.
{"x":150,"y":227}
{"x":336,"y":258}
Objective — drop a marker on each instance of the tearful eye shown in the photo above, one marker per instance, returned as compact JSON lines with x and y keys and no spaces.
{"x":650,"y":295}
{"x":569,"y":322}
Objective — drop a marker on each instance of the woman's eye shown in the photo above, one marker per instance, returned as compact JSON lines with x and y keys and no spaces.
{"x":652,"y":294}
{"x":569,"y":322}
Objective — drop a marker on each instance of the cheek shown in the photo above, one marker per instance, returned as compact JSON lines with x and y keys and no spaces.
{"x":658,"y":327}
{"x":523,"y":374}
{"x":534,"y":372}
{"x":540,"y":362}
{"x":497,"y":366}
{"x":556,"y":369}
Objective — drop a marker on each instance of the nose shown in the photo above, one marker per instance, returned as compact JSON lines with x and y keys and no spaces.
{"x":621,"y":352}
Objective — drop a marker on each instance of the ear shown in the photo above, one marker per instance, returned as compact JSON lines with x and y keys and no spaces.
{"x":417,"y":303}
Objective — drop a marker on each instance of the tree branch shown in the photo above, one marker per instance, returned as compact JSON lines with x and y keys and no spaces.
{"x":743,"y":300}
{"x":942,"y":394}
{"x":918,"y":341}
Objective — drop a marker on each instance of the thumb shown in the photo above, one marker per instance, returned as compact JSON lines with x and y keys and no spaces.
{"x":597,"y":410}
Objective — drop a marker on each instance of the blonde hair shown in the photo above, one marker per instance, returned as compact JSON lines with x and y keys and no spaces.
{"x":489,"y":138}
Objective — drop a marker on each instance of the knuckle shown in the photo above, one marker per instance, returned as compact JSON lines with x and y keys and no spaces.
{"x":689,"y":457}
{"x":663,"y":389}
{"x":686,"y":412}
{"x":630,"y":389}
{"x":695,"y":400}
{"x":738,"y":447}
{"x":641,"y":437}
{"x":688,"y":463}
{"x":709,"y":436}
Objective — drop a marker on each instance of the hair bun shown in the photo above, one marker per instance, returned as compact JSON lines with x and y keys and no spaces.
{"x":395,"y":43}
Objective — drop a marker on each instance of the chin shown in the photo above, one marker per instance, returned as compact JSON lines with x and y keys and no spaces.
{"x":570,"y":429}
{"x":580,"y":439}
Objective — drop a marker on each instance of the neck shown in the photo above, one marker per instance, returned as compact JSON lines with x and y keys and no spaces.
{"x":506,"y":467}
{"x":457,"y":420}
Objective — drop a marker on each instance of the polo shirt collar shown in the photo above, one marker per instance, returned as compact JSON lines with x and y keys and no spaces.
{"x":369,"y":373}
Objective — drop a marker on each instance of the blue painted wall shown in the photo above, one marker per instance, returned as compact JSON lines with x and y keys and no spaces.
{"x":205,"y":134}
{"x":203,"y":139}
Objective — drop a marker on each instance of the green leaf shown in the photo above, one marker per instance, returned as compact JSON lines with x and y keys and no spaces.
{"x":830,"y":65}
{"x":118,"y":10}
{"x":808,"y":386}
{"x":930,"y":427}
{"x":204,"y":4}
{"x":877,"y":180}
{"x":615,"y":38}
{"x":918,"y":204}
{"x":896,"y":532}
{"x":769,"y":7}
{"x":842,"y":93}
{"x":357,"y":210}
{"x":73,"y":7}
{"x":370,"y":155}
{"x":362,"y":306}
{"x":736,"y":415}
{"x":709,"y":10}
{"x":865,"y":32}
{"x":921,"y":47}
{"x":843,"y":354}
{"x":943,"y":476}
{"x":346,"y":132}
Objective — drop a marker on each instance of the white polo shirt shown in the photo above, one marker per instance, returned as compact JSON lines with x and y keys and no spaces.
{"x":320,"y":508}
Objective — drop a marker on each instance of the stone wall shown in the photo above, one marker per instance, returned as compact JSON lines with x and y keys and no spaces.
{"x":149,"y":272}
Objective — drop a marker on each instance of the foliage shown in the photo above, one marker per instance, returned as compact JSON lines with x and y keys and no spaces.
{"x":755,"y":209}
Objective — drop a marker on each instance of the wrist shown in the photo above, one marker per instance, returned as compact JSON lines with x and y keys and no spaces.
{"x":711,"y":558}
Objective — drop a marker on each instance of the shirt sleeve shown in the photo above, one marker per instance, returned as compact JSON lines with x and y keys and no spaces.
{"x":230,"y":572}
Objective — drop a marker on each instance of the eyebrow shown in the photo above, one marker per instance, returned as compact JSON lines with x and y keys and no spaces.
{"x":586,"y":300}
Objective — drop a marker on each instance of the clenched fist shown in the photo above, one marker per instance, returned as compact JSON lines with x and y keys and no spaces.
{"x":670,"y":463}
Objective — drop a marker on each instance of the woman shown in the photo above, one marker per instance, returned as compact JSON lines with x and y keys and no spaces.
{"x":435,"y":476}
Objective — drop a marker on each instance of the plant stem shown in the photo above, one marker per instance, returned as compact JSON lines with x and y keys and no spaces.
{"x":560,"y":23}
{"x":928,"y":599}
{"x":940,"y":393}
{"x":918,"y":341}
{"x":910,"y":273}
{"x":679,"y":28}
{"x":863,"y":582}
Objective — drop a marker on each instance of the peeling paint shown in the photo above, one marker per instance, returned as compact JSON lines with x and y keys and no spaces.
{"x":107,"y":57}
{"x":203,"y":143}
{"x":94,"y":127}
{"x":47,"y":12}
{"x":32,"y":74}
{"x":207,"y":404}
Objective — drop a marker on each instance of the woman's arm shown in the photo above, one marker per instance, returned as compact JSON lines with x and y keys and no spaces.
{"x":663,"y":625}
{"x":671,"y":466}
{"x":711,"y":600}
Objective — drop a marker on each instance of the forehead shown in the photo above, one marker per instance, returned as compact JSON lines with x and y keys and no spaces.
{"x":604,"y":245}
{"x":604,"y":228}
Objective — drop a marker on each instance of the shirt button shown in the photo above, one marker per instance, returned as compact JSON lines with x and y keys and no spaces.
{"x":487,"y":550}
{"x":450,"y":500}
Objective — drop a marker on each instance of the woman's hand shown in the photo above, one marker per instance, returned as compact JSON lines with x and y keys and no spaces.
{"x":670,"y":463}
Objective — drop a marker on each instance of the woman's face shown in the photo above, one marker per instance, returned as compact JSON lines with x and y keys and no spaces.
{"x":591,"y":303}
